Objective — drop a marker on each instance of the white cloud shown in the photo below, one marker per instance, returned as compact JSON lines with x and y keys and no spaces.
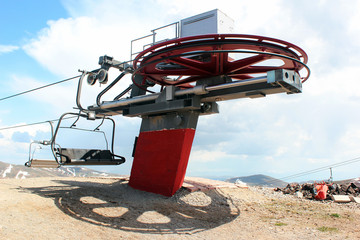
{"x":31,"y":130}
{"x":14,"y":145}
{"x":71,"y":44}
{"x":349,"y":141}
{"x":318,"y":160}
{"x":341,"y":83}
{"x":67,"y":45}
{"x":353,"y":18}
{"x":7,"y":48}
{"x":205,"y":156}
{"x":57,"y":98}
{"x":21,"y":137}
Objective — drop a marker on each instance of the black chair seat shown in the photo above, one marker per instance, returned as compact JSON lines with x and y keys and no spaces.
{"x":74,"y":156}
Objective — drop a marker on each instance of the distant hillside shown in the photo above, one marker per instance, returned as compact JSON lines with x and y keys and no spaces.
{"x":348,"y":181}
{"x":18,"y":171}
{"x":259,"y":180}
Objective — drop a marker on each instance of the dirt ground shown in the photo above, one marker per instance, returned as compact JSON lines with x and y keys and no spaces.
{"x":107,"y":208}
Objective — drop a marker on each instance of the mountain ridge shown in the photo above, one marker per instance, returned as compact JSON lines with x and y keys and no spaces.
{"x":259,"y":180}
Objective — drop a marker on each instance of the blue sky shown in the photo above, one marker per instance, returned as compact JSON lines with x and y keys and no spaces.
{"x":45,"y":41}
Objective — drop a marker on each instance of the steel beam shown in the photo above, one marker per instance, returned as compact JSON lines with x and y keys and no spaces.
{"x":276,"y":81}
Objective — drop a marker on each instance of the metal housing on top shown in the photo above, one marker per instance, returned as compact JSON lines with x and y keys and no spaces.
{"x":211,"y":22}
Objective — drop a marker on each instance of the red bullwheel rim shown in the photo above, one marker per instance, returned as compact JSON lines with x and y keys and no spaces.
{"x":183,"y":61}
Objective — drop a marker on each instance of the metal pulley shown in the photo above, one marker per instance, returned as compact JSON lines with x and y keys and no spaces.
{"x":101,"y":76}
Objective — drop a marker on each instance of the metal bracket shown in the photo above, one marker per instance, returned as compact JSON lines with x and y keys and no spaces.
{"x":106,"y":62}
{"x":168,"y":94}
{"x":286,"y":79}
{"x":163,"y":107}
{"x":208,"y":108}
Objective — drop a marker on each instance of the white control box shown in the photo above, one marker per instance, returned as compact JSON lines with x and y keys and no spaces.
{"x":212,"y":22}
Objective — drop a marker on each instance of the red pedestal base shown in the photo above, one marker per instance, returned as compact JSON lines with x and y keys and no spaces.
{"x":160,"y":160}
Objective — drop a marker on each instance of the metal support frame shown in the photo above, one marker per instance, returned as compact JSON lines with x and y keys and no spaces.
{"x":193,"y":74}
{"x":153,"y":38}
{"x":275,"y":81}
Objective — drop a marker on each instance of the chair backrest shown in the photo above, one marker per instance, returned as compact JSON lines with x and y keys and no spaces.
{"x":69,"y":154}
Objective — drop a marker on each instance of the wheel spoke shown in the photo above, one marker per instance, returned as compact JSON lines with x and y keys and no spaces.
{"x":245,"y":62}
{"x":201,"y":67}
{"x":257,"y":69}
{"x":190,"y":79}
{"x":240,"y":76}
{"x":174,"y":72}
{"x":221,"y":59}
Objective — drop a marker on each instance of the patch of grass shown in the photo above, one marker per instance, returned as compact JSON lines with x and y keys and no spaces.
{"x":327,"y":229}
{"x":336,"y":215}
{"x":280,"y":224}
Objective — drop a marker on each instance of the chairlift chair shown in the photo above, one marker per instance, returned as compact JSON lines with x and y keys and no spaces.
{"x":76,"y":156}
{"x":34,"y":162}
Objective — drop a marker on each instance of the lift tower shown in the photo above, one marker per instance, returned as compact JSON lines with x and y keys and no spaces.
{"x":176,"y":80}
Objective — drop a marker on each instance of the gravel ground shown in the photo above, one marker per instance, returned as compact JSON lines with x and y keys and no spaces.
{"x":107,"y":208}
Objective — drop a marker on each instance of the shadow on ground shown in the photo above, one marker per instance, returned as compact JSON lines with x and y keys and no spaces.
{"x":116,"y":205}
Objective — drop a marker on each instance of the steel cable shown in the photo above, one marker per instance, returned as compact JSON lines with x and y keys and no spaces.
{"x":38,"y":88}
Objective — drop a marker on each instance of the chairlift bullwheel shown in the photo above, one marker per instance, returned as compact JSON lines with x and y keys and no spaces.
{"x":183,"y":61}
